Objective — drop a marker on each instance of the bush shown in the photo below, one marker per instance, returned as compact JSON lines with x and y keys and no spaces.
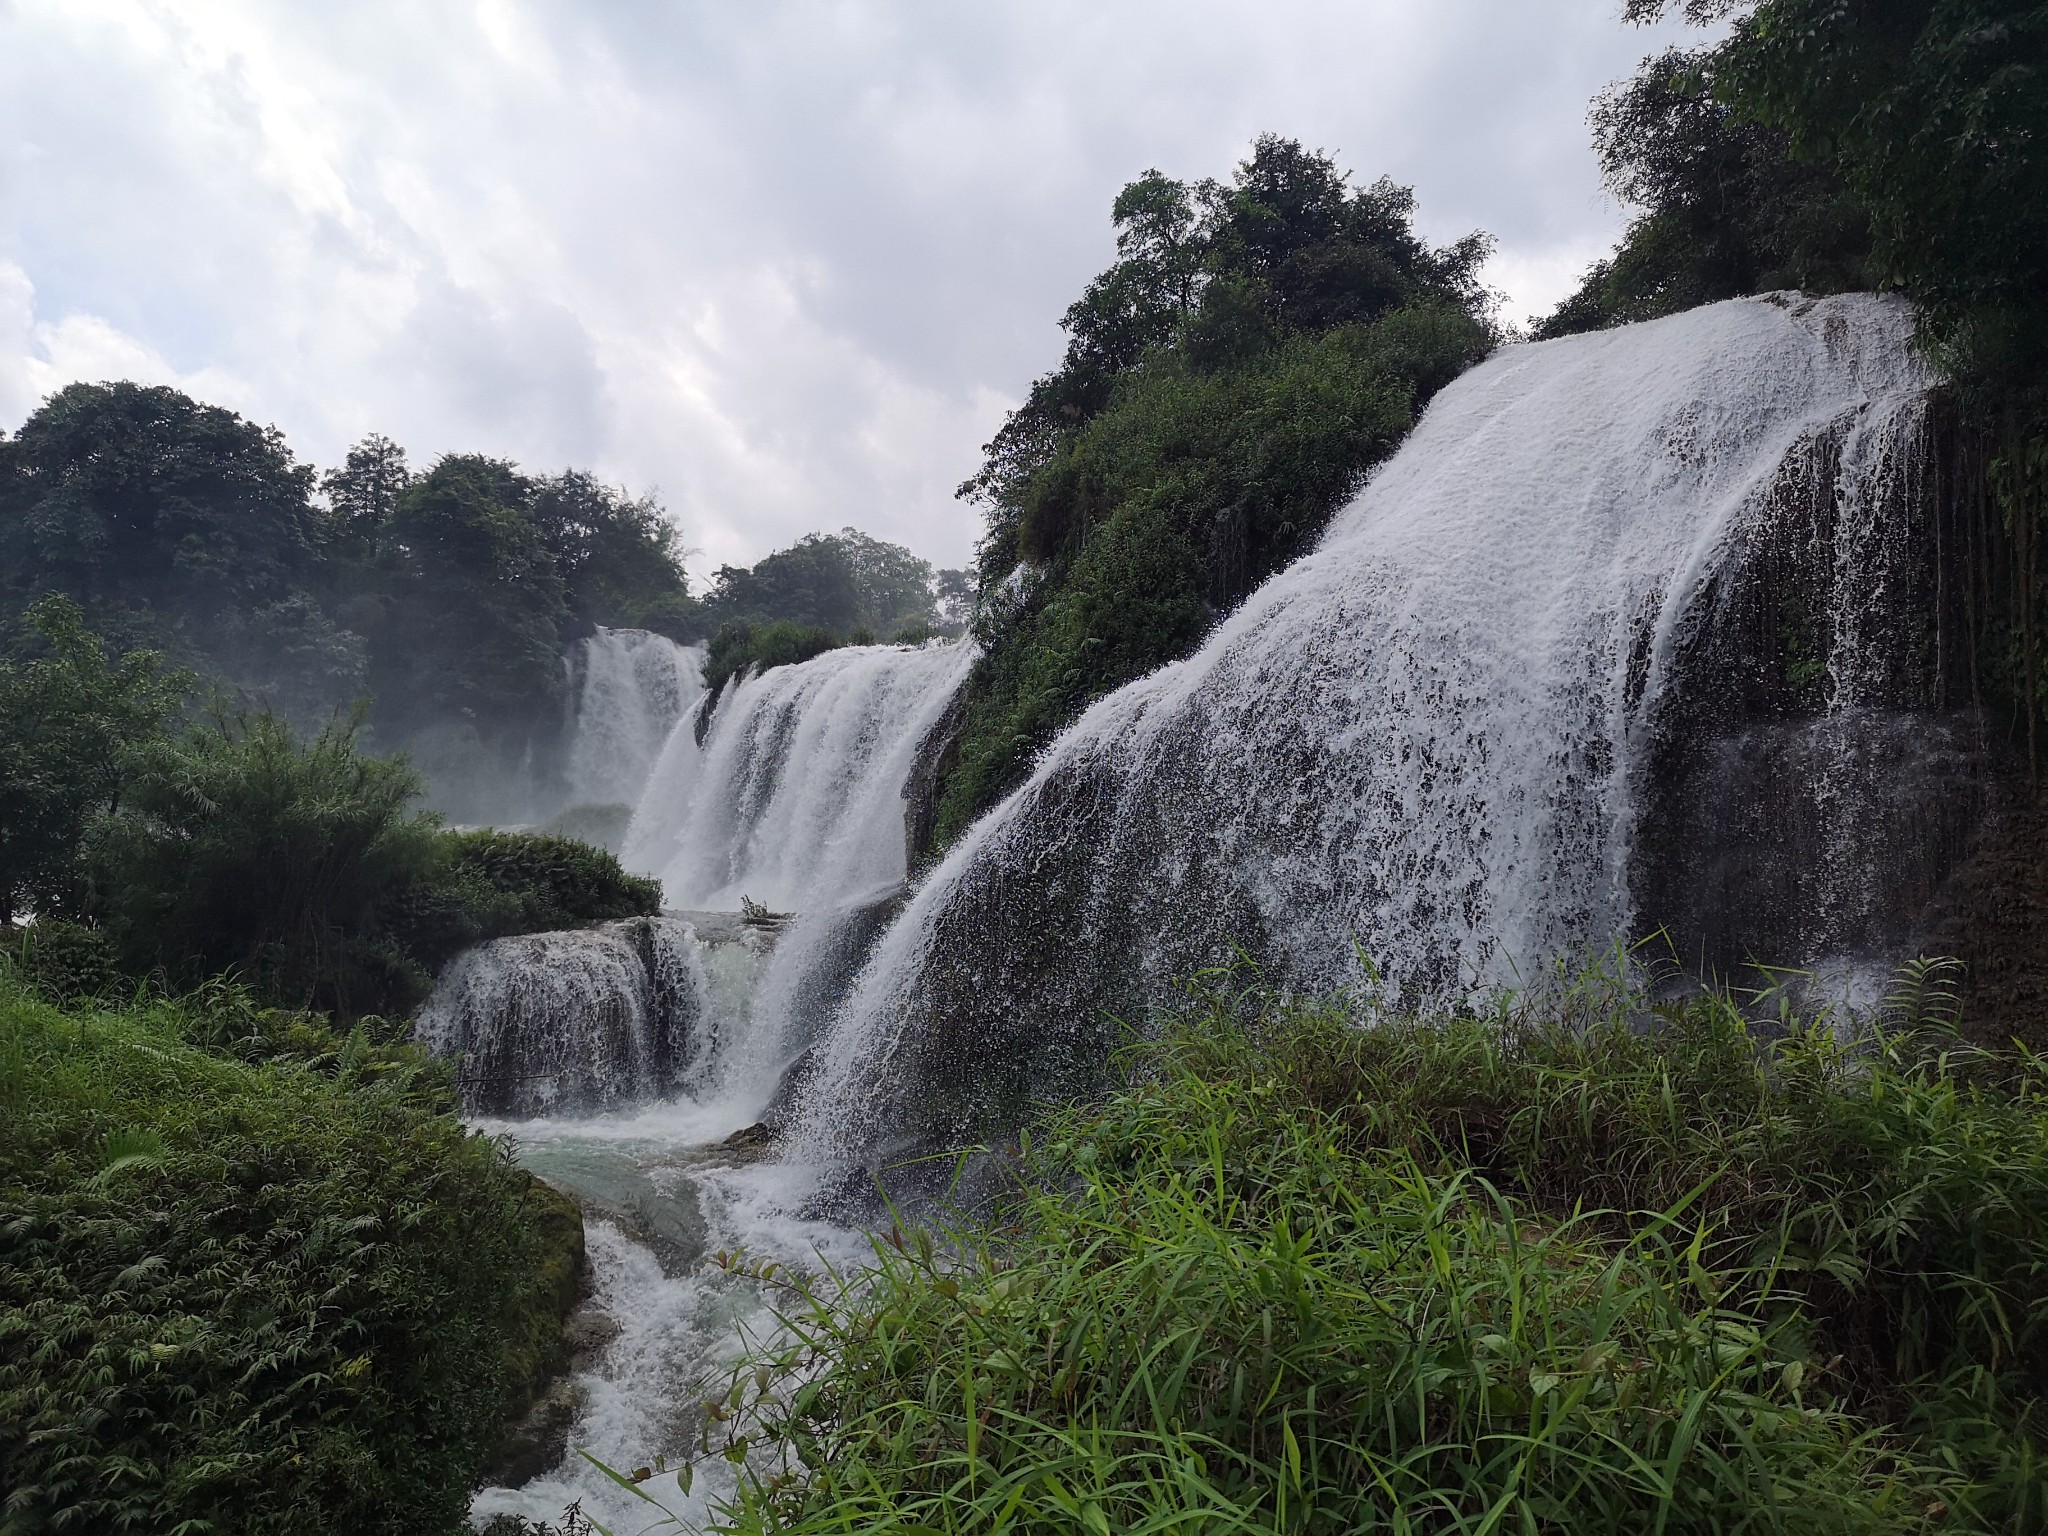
{"x":302,"y":867}
{"x":486,"y":884}
{"x":739,"y":646}
{"x":276,"y":1295}
{"x":237,"y":847}
{"x":1589,"y":1265}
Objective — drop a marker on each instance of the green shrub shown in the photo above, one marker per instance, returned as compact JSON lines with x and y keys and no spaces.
{"x":239,"y":847}
{"x":486,"y":884}
{"x":281,"y":1297}
{"x":63,"y":961}
{"x":303,"y":867}
{"x":741,"y":645}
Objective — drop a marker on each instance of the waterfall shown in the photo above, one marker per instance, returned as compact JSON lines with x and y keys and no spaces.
{"x":592,"y":1019}
{"x":794,"y":799}
{"x":1426,"y":743}
{"x":627,"y":690}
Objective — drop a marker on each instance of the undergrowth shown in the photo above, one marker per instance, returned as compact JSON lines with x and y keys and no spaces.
{"x":254,"y":1277}
{"x":1586,"y":1265}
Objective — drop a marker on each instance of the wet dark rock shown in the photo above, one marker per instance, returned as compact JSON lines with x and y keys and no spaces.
{"x":753,"y":1142}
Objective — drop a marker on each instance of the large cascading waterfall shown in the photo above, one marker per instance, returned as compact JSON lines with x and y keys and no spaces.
{"x":1427,"y":743}
{"x":627,"y":690}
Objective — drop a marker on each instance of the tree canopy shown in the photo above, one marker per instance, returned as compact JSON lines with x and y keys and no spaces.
{"x":1254,"y":349}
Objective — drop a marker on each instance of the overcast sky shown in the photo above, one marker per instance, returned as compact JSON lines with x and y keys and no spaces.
{"x":784,"y":264}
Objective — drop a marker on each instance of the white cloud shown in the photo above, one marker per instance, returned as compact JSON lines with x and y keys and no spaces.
{"x":789,"y":262}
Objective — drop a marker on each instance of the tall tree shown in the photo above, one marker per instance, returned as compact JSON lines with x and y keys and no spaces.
{"x":474,"y":629}
{"x":168,"y":521}
{"x":68,"y":719}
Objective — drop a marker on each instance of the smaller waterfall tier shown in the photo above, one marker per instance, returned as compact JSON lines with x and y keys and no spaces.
{"x":794,"y":797}
{"x":627,"y":690}
{"x":592,"y":1019}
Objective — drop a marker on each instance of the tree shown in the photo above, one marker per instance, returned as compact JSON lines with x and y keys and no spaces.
{"x":1936,"y":113}
{"x":363,"y":494}
{"x":1253,"y":350}
{"x":620,"y":559}
{"x":235,"y":848}
{"x":166,"y":520}
{"x":473,"y":630}
{"x":68,"y":720}
{"x":840,"y":583}
{"x":1726,"y":208}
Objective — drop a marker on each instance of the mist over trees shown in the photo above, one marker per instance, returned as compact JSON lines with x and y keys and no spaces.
{"x":444,"y":597}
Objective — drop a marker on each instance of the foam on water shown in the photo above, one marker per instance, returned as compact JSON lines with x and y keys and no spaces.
{"x":678,"y":1329}
{"x":1417,"y":744}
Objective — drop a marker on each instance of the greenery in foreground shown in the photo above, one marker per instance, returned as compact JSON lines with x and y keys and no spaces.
{"x":1590,"y":1265}
{"x":254,"y":1276}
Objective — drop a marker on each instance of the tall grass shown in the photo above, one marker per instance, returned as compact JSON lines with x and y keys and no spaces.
{"x":1591,"y":1264}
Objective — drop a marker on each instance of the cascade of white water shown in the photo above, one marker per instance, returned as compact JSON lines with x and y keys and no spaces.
{"x":795,"y":796}
{"x":586,"y":1020}
{"x":794,"y":800}
{"x":1418,"y":744}
{"x":628,"y":688}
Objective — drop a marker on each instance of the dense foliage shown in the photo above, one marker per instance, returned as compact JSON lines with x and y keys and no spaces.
{"x":254,"y":1277}
{"x":66,"y":717}
{"x":1228,"y":381}
{"x":843,"y":583}
{"x":1540,"y":1271}
{"x":180,"y":527}
{"x":236,"y":844}
{"x":303,"y":867}
{"x":177,"y":527}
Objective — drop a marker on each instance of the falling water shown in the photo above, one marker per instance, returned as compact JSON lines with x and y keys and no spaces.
{"x":1429,"y":744}
{"x":622,"y":1055}
{"x":795,"y":800}
{"x":627,"y":690}
{"x":1420,"y":743}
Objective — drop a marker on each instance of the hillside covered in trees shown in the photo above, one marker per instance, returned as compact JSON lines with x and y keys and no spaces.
{"x":1257,"y":346}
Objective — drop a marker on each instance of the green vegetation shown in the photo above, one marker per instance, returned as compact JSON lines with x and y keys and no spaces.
{"x":1253,"y":352}
{"x":1598,"y":1264}
{"x":740,"y":646}
{"x":235,"y":845}
{"x":844,"y":583}
{"x":65,"y":719}
{"x":444,"y":598}
{"x":825,"y":591}
{"x":254,"y":1277}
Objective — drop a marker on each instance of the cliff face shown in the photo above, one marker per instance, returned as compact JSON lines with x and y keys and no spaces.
{"x":1992,"y":914}
{"x":1840,"y":774}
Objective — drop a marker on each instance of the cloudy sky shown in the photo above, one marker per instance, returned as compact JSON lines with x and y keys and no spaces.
{"x":785,"y":264}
